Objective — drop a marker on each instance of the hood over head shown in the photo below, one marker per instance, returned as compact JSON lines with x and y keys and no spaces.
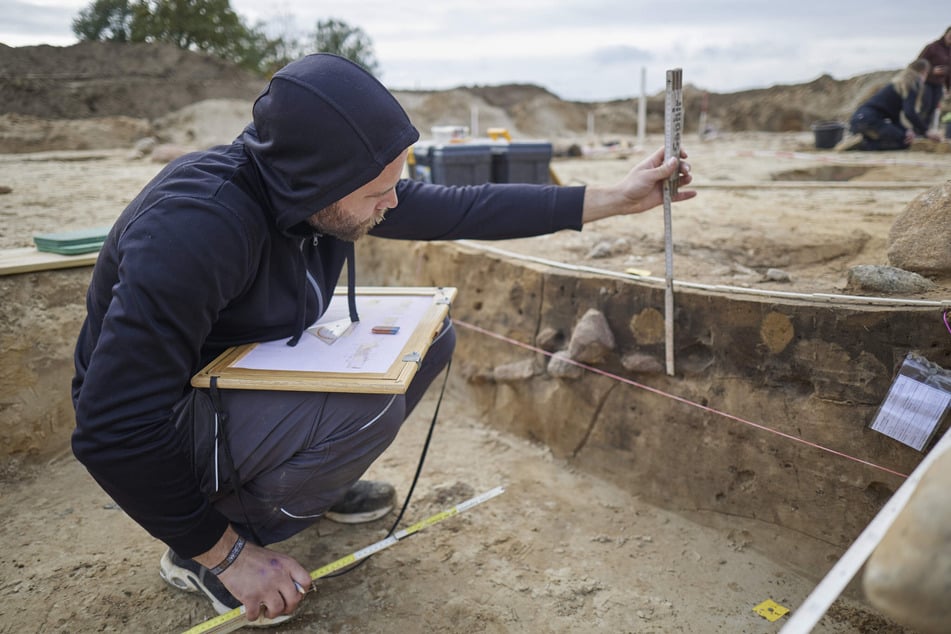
{"x":323,"y":128}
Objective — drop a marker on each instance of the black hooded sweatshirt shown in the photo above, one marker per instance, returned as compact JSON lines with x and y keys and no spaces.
{"x":216,"y":252}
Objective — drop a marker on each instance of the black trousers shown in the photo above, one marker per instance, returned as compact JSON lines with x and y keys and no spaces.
{"x":878,"y":132}
{"x":930,"y":99}
{"x":297,"y":453}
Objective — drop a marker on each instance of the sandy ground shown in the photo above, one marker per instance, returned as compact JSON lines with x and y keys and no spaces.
{"x":559,"y":551}
{"x":768,"y":201}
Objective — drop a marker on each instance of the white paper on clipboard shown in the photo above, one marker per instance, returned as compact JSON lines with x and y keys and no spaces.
{"x":355,"y":349}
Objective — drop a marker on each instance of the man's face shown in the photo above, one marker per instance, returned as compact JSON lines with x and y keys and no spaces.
{"x":351,"y":217}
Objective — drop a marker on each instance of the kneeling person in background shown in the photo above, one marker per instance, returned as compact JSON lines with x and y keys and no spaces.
{"x":878,"y":125}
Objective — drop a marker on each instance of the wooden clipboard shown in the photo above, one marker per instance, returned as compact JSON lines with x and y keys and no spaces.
{"x":315,"y":365}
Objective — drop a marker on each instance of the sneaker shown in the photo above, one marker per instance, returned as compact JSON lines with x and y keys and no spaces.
{"x":191,"y":576}
{"x":850,"y":142}
{"x":364,"y":502}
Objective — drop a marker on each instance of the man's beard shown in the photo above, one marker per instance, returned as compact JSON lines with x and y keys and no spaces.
{"x":333,"y":220}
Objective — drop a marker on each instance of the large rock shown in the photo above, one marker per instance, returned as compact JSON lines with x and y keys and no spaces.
{"x":591,"y":339}
{"x":918,"y":240}
{"x":886,"y":279}
{"x":908,"y":577}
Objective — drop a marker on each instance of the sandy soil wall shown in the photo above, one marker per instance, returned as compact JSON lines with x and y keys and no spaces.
{"x":42,"y":313}
{"x":812,"y":371}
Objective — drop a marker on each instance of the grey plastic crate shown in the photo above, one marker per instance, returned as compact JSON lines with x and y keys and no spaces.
{"x":521,"y":163}
{"x":453,"y":164}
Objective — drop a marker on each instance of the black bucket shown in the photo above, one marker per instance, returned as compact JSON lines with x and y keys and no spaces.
{"x":828,"y":133}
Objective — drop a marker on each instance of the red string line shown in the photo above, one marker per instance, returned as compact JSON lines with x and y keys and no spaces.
{"x":679,"y":399}
{"x":944,"y":316}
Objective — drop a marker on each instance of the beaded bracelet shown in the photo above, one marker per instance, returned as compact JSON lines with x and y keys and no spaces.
{"x":232,"y":555}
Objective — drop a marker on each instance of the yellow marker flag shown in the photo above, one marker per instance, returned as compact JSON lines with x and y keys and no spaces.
{"x":770,"y":610}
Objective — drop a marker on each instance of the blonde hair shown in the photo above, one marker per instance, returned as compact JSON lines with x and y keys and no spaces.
{"x":910,"y":79}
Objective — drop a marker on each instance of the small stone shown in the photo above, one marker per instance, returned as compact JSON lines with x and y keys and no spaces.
{"x":777,"y":275}
{"x":601,"y":250}
{"x":641,"y":363}
{"x":550,"y":339}
{"x":561,"y":367}
{"x":514,"y":372}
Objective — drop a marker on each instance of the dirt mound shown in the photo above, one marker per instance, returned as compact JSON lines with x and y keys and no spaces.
{"x":104,"y":79}
{"x":787,"y":108}
{"x":204,"y":124}
{"x":149,"y":81}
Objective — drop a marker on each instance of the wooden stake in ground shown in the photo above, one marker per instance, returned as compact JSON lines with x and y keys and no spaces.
{"x":673,"y":128}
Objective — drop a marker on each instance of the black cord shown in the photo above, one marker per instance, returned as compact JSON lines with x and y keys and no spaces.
{"x":235,"y":478}
{"x":412,"y":487}
{"x":222,"y":418}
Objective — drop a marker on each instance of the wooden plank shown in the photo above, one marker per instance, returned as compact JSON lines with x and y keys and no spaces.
{"x":29,"y":259}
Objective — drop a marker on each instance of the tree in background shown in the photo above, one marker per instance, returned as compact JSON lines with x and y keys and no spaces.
{"x":211,"y":26}
{"x":105,"y":21}
{"x":338,"y":37}
{"x":203,"y":25}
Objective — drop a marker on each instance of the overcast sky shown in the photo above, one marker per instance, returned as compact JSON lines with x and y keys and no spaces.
{"x":586,"y":50}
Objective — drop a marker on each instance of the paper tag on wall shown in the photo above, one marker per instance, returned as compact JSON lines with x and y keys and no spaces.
{"x":915,"y":404}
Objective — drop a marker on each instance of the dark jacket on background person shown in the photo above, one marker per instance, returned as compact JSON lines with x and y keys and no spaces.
{"x":879,"y":119}
{"x":939,"y":54}
{"x":891,"y":104}
{"x":216,"y":251}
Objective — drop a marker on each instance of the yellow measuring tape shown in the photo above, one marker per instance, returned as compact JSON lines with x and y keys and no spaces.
{"x":235,"y":619}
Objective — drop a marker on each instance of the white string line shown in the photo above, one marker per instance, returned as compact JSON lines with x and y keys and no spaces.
{"x":674,"y":397}
{"x":714,"y":288}
{"x":839,"y":159}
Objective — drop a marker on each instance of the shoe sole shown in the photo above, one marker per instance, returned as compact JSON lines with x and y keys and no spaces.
{"x":849,"y":143}
{"x":185,"y":580}
{"x":358,"y":518}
